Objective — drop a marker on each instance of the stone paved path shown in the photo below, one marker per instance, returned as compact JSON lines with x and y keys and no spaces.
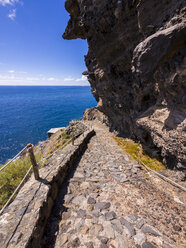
{"x":108,"y":201}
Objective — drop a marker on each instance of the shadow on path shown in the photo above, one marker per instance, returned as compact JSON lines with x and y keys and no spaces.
{"x":52,"y":227}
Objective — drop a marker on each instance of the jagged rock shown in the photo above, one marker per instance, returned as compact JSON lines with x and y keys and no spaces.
{"x":90,"y":245}
{"x":128,"y":225}
{"x":148,"y":245}
{"x":103,"y":240}
{"x":64,"y":239}
{"x":140,"y":223}
{"x":110,"y":215}
{"x":102,"y":205}
{"x":77,"y":127}
{"x":148,"y":54}
{"x":133,"y":217}
{"x":68,"y":198}
{"x":96,"y":213}
{"x":103,"y":246}
{"x":81,"y":213}
{"x":139,"y":238}
{"x":95,"y":230}
{"x":117,"y":226}
{"x":150,"y":230}
{"x":108,"y":230}
{"x":91,"y":200}
{"x":114,"y":244}
{"x":135,"y":65}
{"x":75,"y":243}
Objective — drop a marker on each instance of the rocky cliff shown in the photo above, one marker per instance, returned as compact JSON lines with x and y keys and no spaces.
{"x":136,"y":68}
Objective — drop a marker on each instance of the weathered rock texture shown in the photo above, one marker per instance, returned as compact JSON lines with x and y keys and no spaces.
{"x":23,"y":222}
{"x":136,"y":68}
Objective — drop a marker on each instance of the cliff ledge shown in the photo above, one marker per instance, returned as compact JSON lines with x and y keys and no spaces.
{"x":136,"y":68}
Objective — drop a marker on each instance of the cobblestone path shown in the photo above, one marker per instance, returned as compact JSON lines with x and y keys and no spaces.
{"x":108,"y":201}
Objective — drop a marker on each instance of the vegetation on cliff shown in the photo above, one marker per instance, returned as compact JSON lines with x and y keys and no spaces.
{"x":59,"y":141}
{"x":12,"y":175}
{"x":137,"y":153}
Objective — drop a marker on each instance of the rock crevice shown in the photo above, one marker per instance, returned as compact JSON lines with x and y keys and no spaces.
{"x":136,"y":68}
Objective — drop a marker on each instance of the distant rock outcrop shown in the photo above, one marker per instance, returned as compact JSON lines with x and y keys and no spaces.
{"x":136,"y":68}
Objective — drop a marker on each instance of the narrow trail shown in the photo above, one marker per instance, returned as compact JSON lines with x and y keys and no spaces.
{"x":108,"y":201}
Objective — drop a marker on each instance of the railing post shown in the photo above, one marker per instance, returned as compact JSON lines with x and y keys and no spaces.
{"x":73,"y":138}
{"x":33,"y":161}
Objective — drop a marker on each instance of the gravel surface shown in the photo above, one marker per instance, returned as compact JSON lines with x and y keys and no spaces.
{"x":108,"y":200}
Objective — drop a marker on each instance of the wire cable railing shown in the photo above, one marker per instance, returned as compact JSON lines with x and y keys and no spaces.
{"x":161,"y":176}
{"x":34,"y":166}
{"x":15,"y":191}
{"x":11,"y":160}
{"x":29,"y":149}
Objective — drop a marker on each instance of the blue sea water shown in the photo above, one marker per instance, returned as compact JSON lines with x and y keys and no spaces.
{"x":28,"y":112}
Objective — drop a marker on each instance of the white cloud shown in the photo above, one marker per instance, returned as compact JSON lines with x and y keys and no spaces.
{"x":83,"y":78}
{"x":2,"y":77}
{"x":11,"y":3}
{"x":8,"y":2}
{"x":15,"y":78}
{"x":31,"y":79}
{"x":68,"y":79}
{"x":12,"y":14}
{"x":51,"y":79}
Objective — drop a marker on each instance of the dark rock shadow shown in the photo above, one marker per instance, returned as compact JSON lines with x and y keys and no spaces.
{"x":52,"y":227}
{"x":175,"y":118}
{"x":44,"y":181}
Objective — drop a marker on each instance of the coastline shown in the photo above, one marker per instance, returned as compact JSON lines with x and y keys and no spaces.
{"x":28,"y":112}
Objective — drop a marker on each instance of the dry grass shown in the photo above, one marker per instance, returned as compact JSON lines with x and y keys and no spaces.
{"x":12,"y":175}
{"x":60,"y":140}
{"x":137,"y":153}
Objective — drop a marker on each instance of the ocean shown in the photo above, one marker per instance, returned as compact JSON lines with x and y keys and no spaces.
{"x":28,"y":112}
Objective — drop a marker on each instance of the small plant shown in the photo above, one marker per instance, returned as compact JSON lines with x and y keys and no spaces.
{"x":60,"y":141}
{"x":12,"y":175}
{"x":137,"y":153}
{"x":65,"y":137}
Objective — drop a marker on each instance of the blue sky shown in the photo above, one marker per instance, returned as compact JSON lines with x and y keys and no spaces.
{"x":32,"y":50}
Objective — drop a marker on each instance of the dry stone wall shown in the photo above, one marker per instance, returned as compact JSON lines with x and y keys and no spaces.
{"x":24,"y":221}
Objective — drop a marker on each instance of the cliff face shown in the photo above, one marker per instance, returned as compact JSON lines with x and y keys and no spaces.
{"x":136,"y":68}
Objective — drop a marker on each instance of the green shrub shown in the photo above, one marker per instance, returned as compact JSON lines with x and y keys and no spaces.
{"x":65,"y":137}
{"x":12,"y":175}
{"x":59,"y":142}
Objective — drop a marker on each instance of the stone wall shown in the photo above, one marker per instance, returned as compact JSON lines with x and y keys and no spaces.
{"x":136,"y":68}
{"x":24,"y":221}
